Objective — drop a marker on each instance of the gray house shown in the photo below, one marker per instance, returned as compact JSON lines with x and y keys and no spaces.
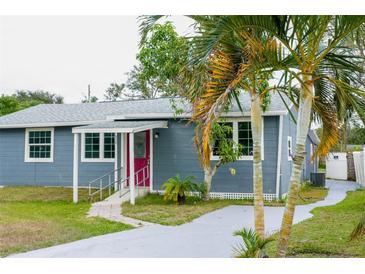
{"x":100,"y":144}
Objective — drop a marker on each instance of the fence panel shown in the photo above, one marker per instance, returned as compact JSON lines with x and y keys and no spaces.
{"x":359,"y":161}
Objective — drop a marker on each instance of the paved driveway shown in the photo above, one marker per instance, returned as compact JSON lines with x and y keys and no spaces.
{"x":208,"y":236}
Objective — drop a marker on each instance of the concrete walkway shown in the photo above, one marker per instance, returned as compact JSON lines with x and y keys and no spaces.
{"x":110,"y":210}
{"x":208,"y":236}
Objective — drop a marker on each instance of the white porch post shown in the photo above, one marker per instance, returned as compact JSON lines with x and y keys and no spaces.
{"x":151,"y":160}
{"x":76,"y":168}
{"x":131,"y":168}
{"x":123,"y":153}
{"x":116,"y":172}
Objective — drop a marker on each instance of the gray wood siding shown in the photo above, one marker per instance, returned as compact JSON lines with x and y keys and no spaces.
{"x":14,"y":171}
{"x":289,"y":129}
{"x":174,"y":153}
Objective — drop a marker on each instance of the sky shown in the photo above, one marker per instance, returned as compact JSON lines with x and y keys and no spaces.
{"x":63,"y":54}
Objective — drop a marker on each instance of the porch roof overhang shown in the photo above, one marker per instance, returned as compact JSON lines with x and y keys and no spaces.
{"x":120,"y":126}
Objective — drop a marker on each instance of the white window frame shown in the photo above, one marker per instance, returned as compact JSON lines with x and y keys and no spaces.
{"x":101,"y":158}
{"x":27,"y":157}
{"x":235,"y":122}
{"x":290,"y":148}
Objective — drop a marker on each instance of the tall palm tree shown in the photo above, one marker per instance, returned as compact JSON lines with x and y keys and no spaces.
{"x":222,"y":75}
{"x":323,"y":57}
{"x":317,"y":55}
{"x":228,"y":72}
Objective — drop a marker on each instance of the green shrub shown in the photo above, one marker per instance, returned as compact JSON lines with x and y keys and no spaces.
{"x":253,"y":245}
{"x":177,"y":188}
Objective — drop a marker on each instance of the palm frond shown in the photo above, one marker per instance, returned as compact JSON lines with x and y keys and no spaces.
{"x":359,"y":230}
{"x":253,"y":245}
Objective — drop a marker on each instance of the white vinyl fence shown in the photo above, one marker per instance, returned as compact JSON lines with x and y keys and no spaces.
{"x":359,"y":161}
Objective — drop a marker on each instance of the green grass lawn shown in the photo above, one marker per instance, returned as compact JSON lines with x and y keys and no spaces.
{"x":153,"y":208}
{"x":327,"y":233}
{"x":36,"y":217}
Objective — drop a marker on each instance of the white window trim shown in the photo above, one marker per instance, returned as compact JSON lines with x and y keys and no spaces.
{"x":101,"y":158}
{"x":235,"y":138}
{"x":26,"y":150}
{"x":290,"y":148}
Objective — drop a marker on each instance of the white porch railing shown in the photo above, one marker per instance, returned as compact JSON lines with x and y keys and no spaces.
{"x":359,"y":162}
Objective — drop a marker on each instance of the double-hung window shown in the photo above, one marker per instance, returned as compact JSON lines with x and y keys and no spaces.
{"x":98,"y":147}
{"x":39,"y":144}
{"x":245,"y":138}
{"x":241,"y":134}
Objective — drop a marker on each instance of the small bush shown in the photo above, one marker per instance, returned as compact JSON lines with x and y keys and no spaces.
{"x":253,"y":245}
{"x":177,"y":188}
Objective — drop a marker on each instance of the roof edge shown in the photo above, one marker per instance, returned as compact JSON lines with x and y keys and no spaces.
{"x":51,"y":124}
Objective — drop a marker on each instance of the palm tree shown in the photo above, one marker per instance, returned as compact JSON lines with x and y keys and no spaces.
{"x":229,"y":70}
{"x":323,"y":57}
{"x":316,"y":52}
{"x":221,"y":78}
{"x":253,"y":245}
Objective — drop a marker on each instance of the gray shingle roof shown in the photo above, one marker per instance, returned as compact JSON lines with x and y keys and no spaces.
{"x":80,"y":114}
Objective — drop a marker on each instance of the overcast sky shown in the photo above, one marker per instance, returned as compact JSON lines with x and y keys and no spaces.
{"x":63,"y":54}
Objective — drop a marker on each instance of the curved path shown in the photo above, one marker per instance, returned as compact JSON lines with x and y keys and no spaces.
{"x":207,"y":236}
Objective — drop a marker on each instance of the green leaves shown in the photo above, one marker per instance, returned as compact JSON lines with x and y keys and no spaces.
{"x":162,"y":56}
{"x":228,"y":150}
{"x":176,"y":188}
{"x":359,"y":230}
{"x":23,"y":99}
{"x":253,"y":245}
{"x":114,"y":92}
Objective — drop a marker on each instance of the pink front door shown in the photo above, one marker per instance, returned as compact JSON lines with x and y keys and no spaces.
{"x":141,"y":156}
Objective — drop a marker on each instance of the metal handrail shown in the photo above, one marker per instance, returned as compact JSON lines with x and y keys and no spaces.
{"x":145,"y":176}
{"x":105,"y":175}
{"x":120,"y":182}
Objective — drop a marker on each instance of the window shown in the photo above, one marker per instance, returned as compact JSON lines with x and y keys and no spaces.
{"x":290,"y":148}
{"x":245,"y":138}
{"x":39,"y":145}
{"x":109,"y":145}
{"x":242,"y":134}
{"x":92,"y":145}
{"x":98,"y":147}
{"x":140,"y":144}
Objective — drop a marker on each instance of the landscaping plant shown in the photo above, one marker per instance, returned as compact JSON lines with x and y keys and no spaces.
{"x":253,"y":245}
{"x":177,"y":188}
{"x":359,"y":230}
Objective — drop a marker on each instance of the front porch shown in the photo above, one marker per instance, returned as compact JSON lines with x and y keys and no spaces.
{"x":132,"y":143}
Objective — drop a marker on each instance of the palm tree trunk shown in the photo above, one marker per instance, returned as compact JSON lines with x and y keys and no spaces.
{"x":256,"y":123}
{"x":303,"y":122}
{"x":208,"y":182}
{"x":208,"y":177}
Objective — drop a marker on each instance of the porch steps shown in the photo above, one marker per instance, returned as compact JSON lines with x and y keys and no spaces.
{"x":110,"y":209}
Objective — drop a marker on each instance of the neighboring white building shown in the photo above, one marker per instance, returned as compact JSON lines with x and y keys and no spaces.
{"x":336,"y":166}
